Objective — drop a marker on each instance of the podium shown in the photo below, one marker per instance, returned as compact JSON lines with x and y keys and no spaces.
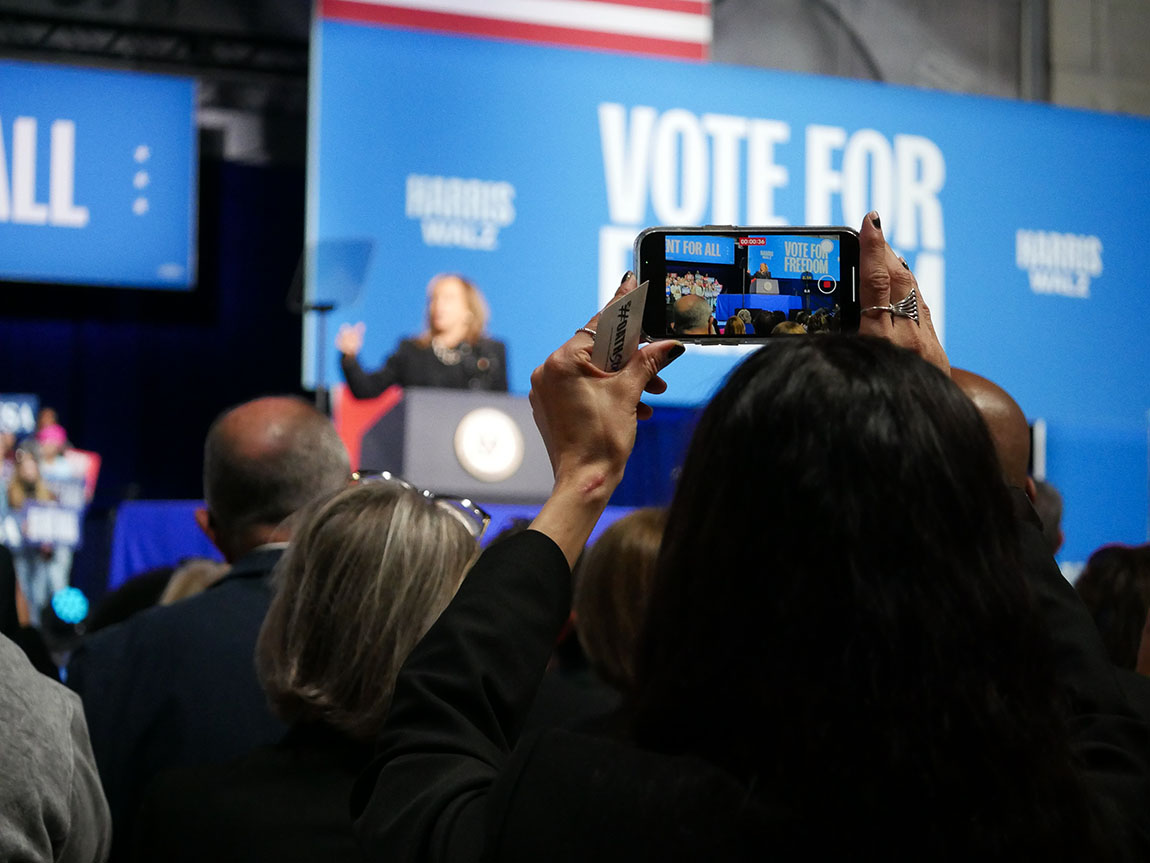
{"x":481,"y":445}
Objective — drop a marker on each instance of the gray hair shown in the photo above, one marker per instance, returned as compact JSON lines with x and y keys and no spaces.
{"x":368,"y":571}
{"x":265,"y":459}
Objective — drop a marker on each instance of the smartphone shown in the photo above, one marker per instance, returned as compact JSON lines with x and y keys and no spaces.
{"x":729,"y":285}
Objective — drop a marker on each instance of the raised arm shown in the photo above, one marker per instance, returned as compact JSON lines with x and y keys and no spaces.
{"x":464,"y":692}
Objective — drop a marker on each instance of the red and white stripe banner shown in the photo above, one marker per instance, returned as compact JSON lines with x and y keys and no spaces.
{"x":665,"y":28}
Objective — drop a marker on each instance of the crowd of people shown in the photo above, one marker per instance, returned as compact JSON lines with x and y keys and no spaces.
{"x":873,"y":655}
{"x":693,"y":284}
{"x":38,"y":471}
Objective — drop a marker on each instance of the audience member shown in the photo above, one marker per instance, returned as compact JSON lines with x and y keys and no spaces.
{"x":892,"y":687}
{"x":692,"y":317}
{"x":7,"y":465}
{"x":368,"y":571}
{"x":1115,"y":585}
{"x":789,"y":328}
{"x":175,"y":686}
{"x":52,"y":809}
{"x":45,"y":417}
{"x":1007,"y":424}
{"x":763,"y":321}
{"x":735,"y":327}
{"x":1048,"y":505}
{"x":192,"y":577}
{"x":612,"y":582}
{"x":138,"y":593}
{"x":37,"y":566}
{"x":15,"y":619}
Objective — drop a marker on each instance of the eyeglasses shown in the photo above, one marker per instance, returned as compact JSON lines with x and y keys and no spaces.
{"x":470,"y":514}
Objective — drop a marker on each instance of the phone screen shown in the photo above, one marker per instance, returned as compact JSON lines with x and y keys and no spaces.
{"x":739,"y":284}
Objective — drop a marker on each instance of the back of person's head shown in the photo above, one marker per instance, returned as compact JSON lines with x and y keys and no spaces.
{"x":611,"y":585}
{"x":263,"y":461}
{"x":1115,"y":586}
{"x":865,"y":644}
{"x":191,"y":578}
{"x":1048,"y":505}
{"x":368,"y":571}
{"x":735,"y":327}
{"x":762,"y":321}
{"x":692,"y":314}
{"x":789,"y":328}
{"x":1004,"y":418}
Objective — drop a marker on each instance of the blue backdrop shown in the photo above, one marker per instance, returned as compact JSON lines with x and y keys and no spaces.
{"x":531,"y":169}
{"x":97,"y":177}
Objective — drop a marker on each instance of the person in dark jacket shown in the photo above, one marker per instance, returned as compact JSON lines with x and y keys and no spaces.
{"x":916,"y":680}
{"x":175,"y":686}
{"x":368,"y":571}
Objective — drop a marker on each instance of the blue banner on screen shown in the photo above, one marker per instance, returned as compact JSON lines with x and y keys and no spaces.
{"x":780,"y":257}
{"x":531,"y":170}
{"x":97,"y":177}
{"x":702,"y":249}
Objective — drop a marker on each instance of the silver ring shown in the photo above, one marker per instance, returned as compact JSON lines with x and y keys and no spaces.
{"x":586,"y":330}
{"x":907,"y":307}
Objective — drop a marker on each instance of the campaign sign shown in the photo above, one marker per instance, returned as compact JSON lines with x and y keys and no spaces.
{"x":703,"y":249}
{"x":18,"y":413}
{"x":97,"y":177}
{"x":531,"y":169}
{"x":51,"y":524}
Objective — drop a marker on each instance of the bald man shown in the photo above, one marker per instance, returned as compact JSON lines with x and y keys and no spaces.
{"x":1007,"y":423}
{"x":176,"y":686}
{"x":692,"y":316}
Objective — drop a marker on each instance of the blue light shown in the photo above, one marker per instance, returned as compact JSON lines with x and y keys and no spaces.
{"x":70,"y":605}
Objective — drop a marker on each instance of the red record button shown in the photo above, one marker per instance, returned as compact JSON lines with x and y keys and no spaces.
{"x":827,"y":285}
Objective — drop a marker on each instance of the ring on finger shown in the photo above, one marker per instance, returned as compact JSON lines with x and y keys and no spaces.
{"x":586,"y":330}
{"x":907,"y":307}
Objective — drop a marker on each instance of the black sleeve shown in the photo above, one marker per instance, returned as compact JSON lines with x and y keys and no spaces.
{"x":459,"y":706}
{"x":1110,"y":740}
{"x":368,"y":385}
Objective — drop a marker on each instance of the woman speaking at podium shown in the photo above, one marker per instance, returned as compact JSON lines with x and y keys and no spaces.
{"x":452,"y":353}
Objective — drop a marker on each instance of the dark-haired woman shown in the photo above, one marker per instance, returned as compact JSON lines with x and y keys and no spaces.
{"x":916,"y":682}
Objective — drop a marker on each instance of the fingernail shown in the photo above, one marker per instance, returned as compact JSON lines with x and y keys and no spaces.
{"x":874,"y":219}
{"x":676,"y":352}
{"x":905,"y":265}
{"x":626,"y":276}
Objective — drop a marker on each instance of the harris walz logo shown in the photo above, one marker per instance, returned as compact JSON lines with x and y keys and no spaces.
{"x":454,"y":211}
{"x":1061,"y":264}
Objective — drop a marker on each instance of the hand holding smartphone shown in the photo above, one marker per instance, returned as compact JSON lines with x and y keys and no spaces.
{"x":729,"y":285}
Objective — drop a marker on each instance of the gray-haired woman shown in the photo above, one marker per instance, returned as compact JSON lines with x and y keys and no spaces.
{"x":369,"y":570}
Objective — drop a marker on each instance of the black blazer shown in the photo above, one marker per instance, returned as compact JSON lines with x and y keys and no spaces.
{"x":454,"y":783}
{"x":287,"y":803}
{"x":482,"y":366}
{"x":175,"y":686}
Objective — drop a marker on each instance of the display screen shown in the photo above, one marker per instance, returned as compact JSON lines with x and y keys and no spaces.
{"x":97,"y":177}
{"x":742,"y":284}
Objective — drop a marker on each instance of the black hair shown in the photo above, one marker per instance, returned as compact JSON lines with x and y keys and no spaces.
{"x":1115,"y":586}
{"x":873,"y":653}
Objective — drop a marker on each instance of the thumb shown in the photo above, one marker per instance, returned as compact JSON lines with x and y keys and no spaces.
{"x":647,"y":362}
